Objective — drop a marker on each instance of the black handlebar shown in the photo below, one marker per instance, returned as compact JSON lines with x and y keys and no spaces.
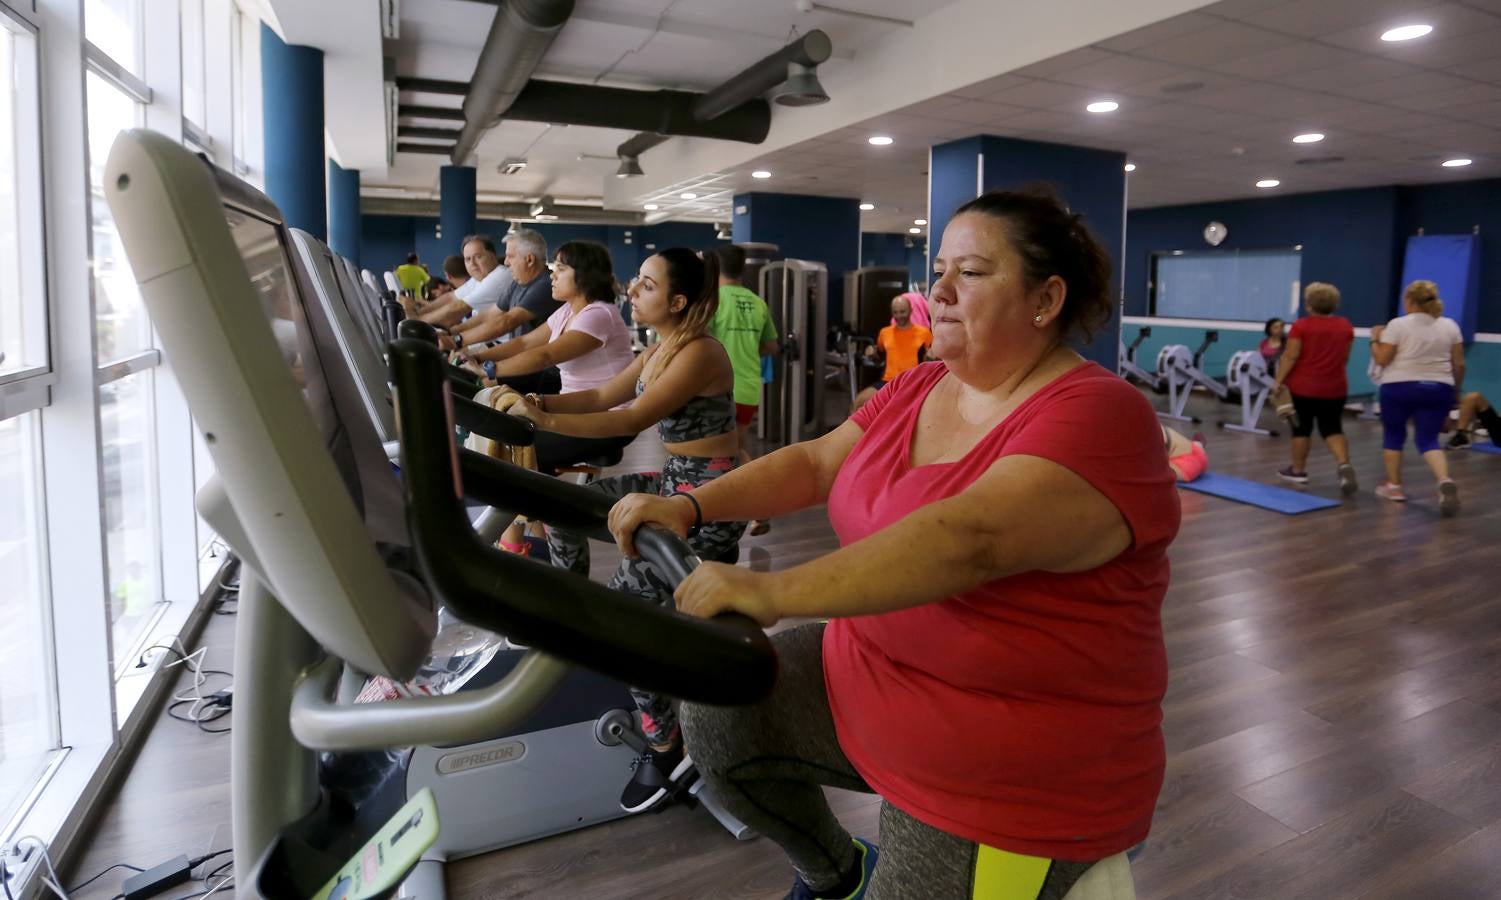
{"x":728,"y":660}
{"x":497,"y":426}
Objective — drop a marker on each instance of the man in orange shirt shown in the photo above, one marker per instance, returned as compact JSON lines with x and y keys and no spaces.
{"x":902,"y":344}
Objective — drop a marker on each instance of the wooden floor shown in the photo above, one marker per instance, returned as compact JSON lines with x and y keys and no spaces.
{"x":1333,"y":721}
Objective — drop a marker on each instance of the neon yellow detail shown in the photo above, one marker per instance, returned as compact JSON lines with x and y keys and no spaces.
{"x":1000,"y":875}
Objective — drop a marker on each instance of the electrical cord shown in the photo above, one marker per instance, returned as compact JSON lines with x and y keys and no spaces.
{"x":53,"y":882}
{"x":76,"y":888}
{"x":202,"y":708}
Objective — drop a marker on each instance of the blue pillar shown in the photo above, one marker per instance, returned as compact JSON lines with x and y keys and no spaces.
{"x":1091,"y":182}
{"x":292,"y":115}
{"x":819,"y":229}
{"x":344,"y":211}
{"x":457,"y":207}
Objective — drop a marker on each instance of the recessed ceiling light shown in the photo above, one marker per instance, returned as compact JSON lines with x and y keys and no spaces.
{"x":688,"y":195}
{"x":919,"y":221}
{"x":1312,"y":137}
{"x":760,"y":173}
{"x":867,"y":206}
{"x":649,"y":206}
{"x":1103,"y":106}
{"x":1268,"y":183}
{"x":1456,"y":163}
{"x":1406,"y":32}
{"x":914,"y":231}
{"x":880,"y":140}
{"x":1130,"y":167}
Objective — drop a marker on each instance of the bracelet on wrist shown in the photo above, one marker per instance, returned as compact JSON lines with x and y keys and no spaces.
{"x":698,"y":511}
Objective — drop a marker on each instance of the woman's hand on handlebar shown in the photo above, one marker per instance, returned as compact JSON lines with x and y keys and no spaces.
{"x":716,"y":588}
{"x":634,"y":510}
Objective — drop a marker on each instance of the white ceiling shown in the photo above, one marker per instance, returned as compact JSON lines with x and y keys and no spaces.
{"x":1264,"y":69}
{"x":1267,"y":70}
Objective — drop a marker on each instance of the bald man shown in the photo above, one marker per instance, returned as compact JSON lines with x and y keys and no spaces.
{"x":902,"y":345}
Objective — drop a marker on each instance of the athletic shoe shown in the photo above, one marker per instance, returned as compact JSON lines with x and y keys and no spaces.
{"x":656,"y":773}
{"x":1448,"y":497}
{"x":1289,"y":474}
{"x":868,"y":854}
{"x":1458,"y":441}
{"x":1392,"y":492}
{"x":758,"y":527}
{"x":1347,"y":483}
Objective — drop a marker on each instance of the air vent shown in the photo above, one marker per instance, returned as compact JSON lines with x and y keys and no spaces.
{"x":1181,"y":87}
{"x":511,"y":166}
{"x":1320,"y":160}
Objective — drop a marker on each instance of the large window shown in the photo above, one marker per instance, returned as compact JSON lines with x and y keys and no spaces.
{"x":123,"y":329}
{"x":130,"y":511}
{"x":23,"y":327}
{"x":1232,"y":285}
{"x":194,"y":77}
{"x":114,"y":26}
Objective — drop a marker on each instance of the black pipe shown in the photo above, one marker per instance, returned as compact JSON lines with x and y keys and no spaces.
{"x":417,"y":111}
{"x":431,"y":86}
{"x":439,"y":149}
{"x":663,"y":112}
{"x":419,"y":131}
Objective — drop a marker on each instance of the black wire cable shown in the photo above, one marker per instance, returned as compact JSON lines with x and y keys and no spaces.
{"x":79,"y":887}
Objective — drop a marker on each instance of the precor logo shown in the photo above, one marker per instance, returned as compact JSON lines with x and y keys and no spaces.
{"x":510,"y":751}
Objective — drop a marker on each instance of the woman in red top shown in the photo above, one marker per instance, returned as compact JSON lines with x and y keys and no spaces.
{"x":1000,"y":689}
{"x":1313,"y":368}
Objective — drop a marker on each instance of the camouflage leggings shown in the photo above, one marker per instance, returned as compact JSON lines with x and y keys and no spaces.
{"x":714,"y":541}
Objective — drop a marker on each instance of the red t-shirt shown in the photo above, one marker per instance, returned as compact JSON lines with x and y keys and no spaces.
{"x":1320,"y":369}
{"x":1024,"y":713}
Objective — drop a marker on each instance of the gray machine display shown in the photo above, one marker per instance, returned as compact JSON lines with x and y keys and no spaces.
{"x":330,"y":587}
{"x":795,"y":291}
{"x":868,"y":293}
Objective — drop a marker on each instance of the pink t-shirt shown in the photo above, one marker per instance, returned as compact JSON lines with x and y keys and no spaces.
{"x":1024,"y":713}
{"x":603,"y":323}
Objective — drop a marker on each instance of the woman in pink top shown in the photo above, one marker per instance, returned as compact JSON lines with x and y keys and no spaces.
{"x":1001,"y":691}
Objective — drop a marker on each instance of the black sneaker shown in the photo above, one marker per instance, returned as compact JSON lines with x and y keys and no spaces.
{"x":657,"y":772}
{"x":1458,"y":441}
{"x":1293,"y":475}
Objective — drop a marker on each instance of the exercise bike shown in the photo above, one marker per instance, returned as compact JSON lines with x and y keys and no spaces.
{"x":1247,"y":378}
{"x":1181,"y":370}
{"x":1130,"y":370}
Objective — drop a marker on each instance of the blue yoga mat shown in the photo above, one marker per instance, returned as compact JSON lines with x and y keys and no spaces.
{"x":1486,"y":447}
{"x":1255,"y":493}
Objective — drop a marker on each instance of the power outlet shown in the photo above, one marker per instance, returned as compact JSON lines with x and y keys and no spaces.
{"x":16,"y":866}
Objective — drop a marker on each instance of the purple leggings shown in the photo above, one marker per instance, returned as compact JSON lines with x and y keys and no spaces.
{"x":1426,"y":403}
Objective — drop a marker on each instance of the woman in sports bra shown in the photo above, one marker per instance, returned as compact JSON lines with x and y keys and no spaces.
{"x":685,"y":385}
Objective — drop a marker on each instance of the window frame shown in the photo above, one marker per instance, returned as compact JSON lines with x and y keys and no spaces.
{"x":26,"y":389}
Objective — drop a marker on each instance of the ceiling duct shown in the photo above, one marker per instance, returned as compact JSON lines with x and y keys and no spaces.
{"x":795,"y":62}
{"x":519,"y":37}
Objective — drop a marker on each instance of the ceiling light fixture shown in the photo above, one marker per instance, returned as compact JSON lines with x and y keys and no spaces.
{"x":1405,"y":33}
{"x":1268,"y":183}
{"x":801,"y":88}
{"x":1460,"y":162}
{"x":919,"y":221}
{"x":629,"y":166}
{"x":760,"y":173}
{"x":914,"y":231}
{"x":1312,"y":137}
{"x":649,"y":207}
{"x":878,"y":140}
{"x":688,"y":195}
{"x":1130,"y":167}
{"x":867,"y":206}
{"x":1103,"y":106}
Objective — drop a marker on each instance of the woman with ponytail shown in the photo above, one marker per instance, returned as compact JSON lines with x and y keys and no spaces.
{"x":1424,"y":356}
{"x":685,"y":386}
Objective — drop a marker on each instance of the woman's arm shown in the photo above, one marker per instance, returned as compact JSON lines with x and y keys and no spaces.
{"x":1383,"y":354}
{"x":571,"y":345}
{"x":692,"y":371}
{"x":1457,"y":363}
{"x":537,"y":337}
{"x":1024,"y":514}
{"x":1291,"y":350}
{"x":612,"y":393}
{"x":779,"y":483}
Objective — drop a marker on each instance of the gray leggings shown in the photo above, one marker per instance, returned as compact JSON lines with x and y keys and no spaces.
{"x":714,"y":541}
{"x":767,"y":764}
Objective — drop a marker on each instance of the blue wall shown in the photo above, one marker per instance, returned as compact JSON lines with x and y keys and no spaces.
{"x":822,"y":229}
{"x":1456,"y":209}
{"x":1349,"y":239}
{"x":881,"y":249}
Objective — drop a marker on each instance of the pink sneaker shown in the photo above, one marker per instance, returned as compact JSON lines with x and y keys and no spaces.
{"x":1392,"y":492}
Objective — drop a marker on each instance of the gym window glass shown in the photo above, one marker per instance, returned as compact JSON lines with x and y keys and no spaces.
{"x":1228,"y":285}
{"x":194,"y":77}
{"x":29,"y":735}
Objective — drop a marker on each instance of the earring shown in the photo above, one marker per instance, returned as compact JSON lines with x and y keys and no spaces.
{"x":1037,"y":318}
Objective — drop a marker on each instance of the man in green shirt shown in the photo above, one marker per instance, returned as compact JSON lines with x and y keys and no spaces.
{"x":743,"y":325}
{"x":412,"y":276}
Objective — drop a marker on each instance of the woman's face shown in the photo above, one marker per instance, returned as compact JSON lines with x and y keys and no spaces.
{"x":980,"y":304}
{"x":564,"y":287}
{"x":651,"y":304}
{"x":1277,"y":329}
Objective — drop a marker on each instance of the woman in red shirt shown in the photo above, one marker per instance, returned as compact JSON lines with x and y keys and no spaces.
{"x":1001,"y":689}
{"x":1313,"y":368}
